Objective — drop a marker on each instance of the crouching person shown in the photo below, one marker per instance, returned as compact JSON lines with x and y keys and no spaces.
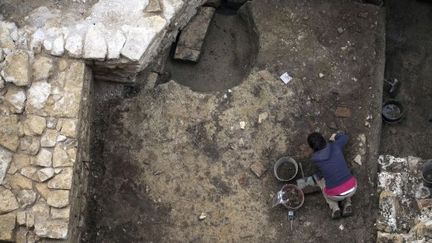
{"x":337,"y":183}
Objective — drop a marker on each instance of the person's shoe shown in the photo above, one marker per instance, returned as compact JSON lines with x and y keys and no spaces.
{"x":347,"y":211}
{"x":336,"y":214}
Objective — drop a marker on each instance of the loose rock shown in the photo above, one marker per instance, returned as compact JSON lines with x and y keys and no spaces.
{"x":44,"y":158}
{"x":95,"y":46}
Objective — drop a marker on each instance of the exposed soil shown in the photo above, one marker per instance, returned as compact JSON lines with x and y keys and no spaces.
{"x":409,"y":59}
{"x":164,"y":156}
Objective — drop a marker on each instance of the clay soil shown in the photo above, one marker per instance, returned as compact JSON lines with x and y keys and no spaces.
{"x":162,"y":157}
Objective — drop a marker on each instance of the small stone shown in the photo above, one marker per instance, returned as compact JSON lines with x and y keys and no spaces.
{"x":95,"y":46}
{"x":242,"y":125}
{"x":34,"y":125}
{"x":42,"y":68}
{"x":321,"y":75}
{"x":358,"y":159}
{"x":425,"y":203}
{"x":7,"y":226}
{"x":52,"y":228}
{"x":74,"y":45}
{"x":44,"y":158}
{"x":151,"y":80}
{"x":60,"y":213}
{"x":38,"y":94}
{"x":202,"y":216}
{"x":58,"y":46}
{"x":16,"y":98}
{"x":8,"y":201}
{"x":263,"y":116}
{"x":18,"y":181}
{"x":49,"y":138}
{"x":9,"y":132}
{"x":17,"y":68}
{"x":29,"y":145}
{"x":26,"y":198}
{"x":51,"y":123}
{"x":5,"y":160}
{"x":343,"y":112}
{"x":45,"y":174}
{"x":393,"y":130}
{"x":29,"y":172}
{"x":21,"y":217}
{"x":58,"y":198}
{"x":62,"y":180}
{"x":69,"y":127}
{"x":258,"y":169}
{"x":340,"y":30}
{"x":193,"y":35}
{"x":341,"y":227}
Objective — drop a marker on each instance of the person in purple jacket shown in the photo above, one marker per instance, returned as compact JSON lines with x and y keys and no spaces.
{"x":337,"y":183}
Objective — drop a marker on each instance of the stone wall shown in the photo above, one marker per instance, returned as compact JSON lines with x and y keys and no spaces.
{"x":405,"y":203}
{"x":118,"y":39}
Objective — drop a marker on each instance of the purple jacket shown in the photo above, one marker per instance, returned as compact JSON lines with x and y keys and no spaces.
{"x":331,"y":162}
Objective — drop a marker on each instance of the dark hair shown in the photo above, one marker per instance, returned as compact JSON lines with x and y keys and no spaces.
{"x":316,"y":141}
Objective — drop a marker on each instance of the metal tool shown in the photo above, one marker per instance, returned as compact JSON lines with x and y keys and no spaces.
{"x":291,"y":217}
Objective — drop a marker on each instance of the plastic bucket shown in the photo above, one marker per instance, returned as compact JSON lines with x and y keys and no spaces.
{"x":392,"y":111}
{"x":293,"y":190}
{"x":427,"y":173}
{"x":285,"y":169}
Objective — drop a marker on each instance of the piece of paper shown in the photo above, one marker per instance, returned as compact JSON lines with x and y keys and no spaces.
{"x":286,"y":78}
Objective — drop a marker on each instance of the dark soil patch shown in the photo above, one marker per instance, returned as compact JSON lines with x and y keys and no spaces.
{"x":286,"y":171}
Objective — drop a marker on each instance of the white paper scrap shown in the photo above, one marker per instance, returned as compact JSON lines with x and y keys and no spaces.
{"x":286,"y":78}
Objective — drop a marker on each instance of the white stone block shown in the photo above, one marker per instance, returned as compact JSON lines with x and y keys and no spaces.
{"x":58,"y":46}
{"x":115,"y":41}
{"x":95,"y":46}
{"x":74,"y":45}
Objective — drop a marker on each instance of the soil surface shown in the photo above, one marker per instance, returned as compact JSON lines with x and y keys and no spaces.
{"x":409,"y":59}
{"x":163,"y":157}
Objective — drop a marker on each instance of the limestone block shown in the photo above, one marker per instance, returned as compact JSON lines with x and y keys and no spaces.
{"x":62,"y":180}
{"x":170,"y":8}
{"x":21,"y":235}
{"x":29,"y":145}
{"x":29,"y":172}
{"x":154,"y":6}
{"x":44,"y":158}
{"x":43,"y":190}
{"x":5,"y":160}
{"x":17,"y":68}
{"x":45,"y":174}
{"x":58,"y":198}
{"x":193,"y":36}
{"x":58,"y":46}
{"x":386,"y":237}
{"x":8,"y":201}
{"x":37,"y":40}
{"x":18,"y":181}
{"x":21,"y":160}
{"x":74,"y":45}
{"x":7,"y":226}
{"x":34,"y":125}
{"x":42,"y":68}
{"x":60,"y":213}
{"x":38,"y":95}
{"x":69,"y":127}
{"x":40,"y":209}
{"x":389,"y":208}
{"x":26,"y":198}
{"x":16,"y":98}
{"x":115,"y":41}
{"x":52,"y":228}
{"x":138,"y":39}
{"x":95,"y":46}
{"x":51,"y":123}
{"x":49,"y":138}
{"x":9,"y":132}
{"x":63,"y":157}
{"x":6,"y":40}
{"x":21,"y":217}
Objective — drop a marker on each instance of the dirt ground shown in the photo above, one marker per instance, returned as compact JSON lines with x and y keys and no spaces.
{"x":162,"y":157}
{"x":409,"y":59}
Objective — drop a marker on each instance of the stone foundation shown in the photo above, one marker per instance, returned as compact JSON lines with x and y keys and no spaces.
{"x":405,"y":204}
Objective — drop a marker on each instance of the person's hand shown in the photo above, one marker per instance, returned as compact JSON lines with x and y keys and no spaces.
{"x":333,"y":137}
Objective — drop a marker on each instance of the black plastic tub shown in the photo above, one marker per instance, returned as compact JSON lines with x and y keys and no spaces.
{"x":392,"y":111}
